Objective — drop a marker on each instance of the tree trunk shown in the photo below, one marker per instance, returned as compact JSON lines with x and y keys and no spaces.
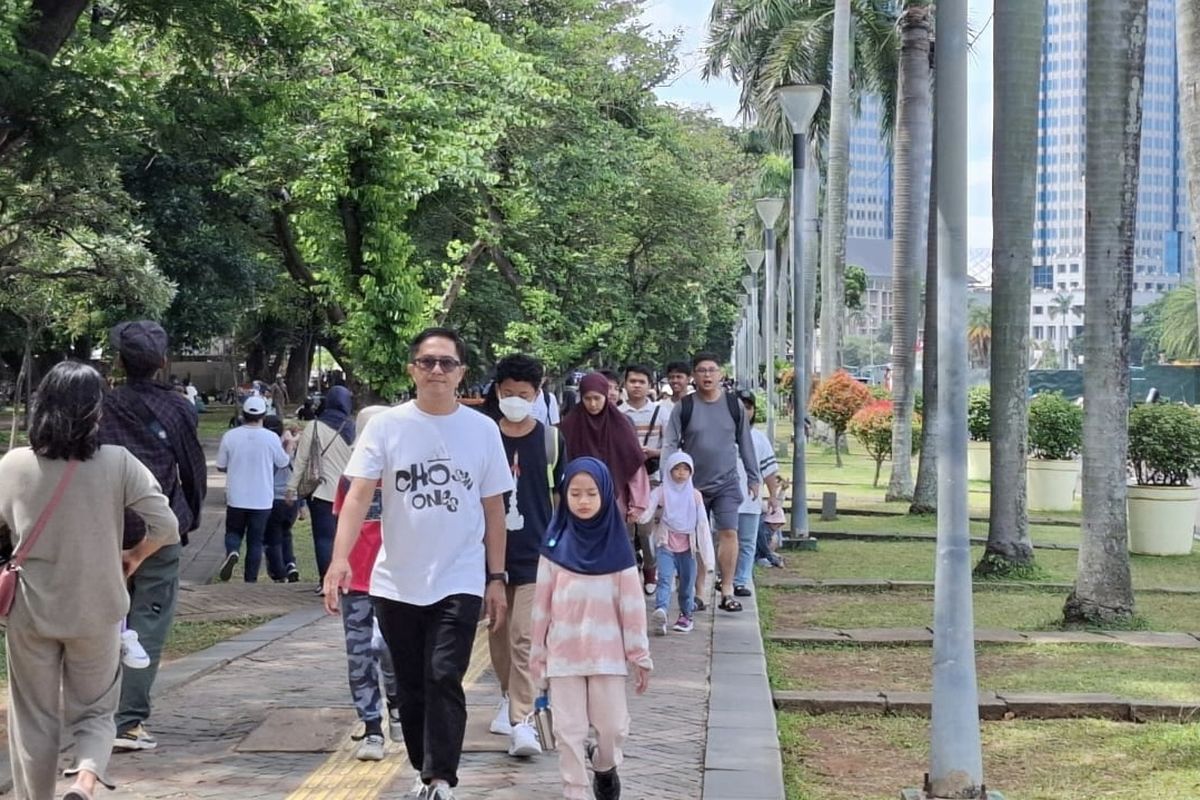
{"x":299,"y":367}
{"x":926,"y":491}
{"x":911,"y":144}
{"x":256,"y":362}
{"x":1116,"y":38}
{"x":833,"y":267}
{"x":1016,"y":79}
{"x":1187,"y":45}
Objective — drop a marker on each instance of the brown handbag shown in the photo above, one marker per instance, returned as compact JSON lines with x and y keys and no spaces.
{"x":11,"y":573}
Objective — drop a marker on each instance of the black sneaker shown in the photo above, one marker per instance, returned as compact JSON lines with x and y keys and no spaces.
{"x":227,"y":566}
{"x":293,"y":574}
{"x":136,"y":738}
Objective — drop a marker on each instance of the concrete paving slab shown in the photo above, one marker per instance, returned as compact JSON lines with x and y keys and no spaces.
{"x":1068,"y":637}
{"x":1066,"y":706}
{"x":831,"y":702}
{"x":738,"y":664}
{"x":999,"y":636}
{"x":1186,"y":713}
{"x":889,"y":636}
{"x":1179,"y":641}
{"x":809,"y":635}
{"x":479,"y":739}
{"x":299,"y":730}
{"x":742,"y":785}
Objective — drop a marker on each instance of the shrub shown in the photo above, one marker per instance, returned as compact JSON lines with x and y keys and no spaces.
{"x":1164,"y":444}
{"x":979,"y":413}
{"x":872,"y":427}
{"x":1055,"y":427}
{"x":879,"y":392}
{"x":835,"y":401}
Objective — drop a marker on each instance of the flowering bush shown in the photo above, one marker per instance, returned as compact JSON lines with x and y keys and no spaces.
{"x":835,"y":401}
{"x":872,"y":426}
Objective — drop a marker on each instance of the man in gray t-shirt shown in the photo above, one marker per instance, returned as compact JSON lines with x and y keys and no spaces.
{"x":713,"y":439}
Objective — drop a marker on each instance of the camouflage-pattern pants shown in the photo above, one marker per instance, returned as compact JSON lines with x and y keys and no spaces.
{"x":367,"y":657}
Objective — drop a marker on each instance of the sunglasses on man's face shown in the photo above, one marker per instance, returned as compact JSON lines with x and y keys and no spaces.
{"x":446,"y":363}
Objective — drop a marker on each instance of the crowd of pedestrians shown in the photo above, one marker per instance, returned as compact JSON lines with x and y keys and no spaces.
{"x":552,"y":524}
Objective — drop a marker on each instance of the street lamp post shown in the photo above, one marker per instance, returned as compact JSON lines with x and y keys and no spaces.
{"x":743,"y":340}
{"x":769,"y":209}
{"x":754,"y":260}
{"x":799,"y":104}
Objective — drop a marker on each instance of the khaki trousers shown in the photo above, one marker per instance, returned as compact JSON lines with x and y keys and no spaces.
{"x":597,"y":701}
{"x":87,"y":671}
{"x":509,"y":646}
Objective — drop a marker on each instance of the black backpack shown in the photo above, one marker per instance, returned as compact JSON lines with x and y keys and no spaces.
{"x":735,"y":410}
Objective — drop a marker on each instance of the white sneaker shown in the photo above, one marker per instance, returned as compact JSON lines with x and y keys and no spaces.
{"x":524,"y":741}
{"x":658,"y":622}
{"x":133,"y":655}
{"x":395,"y":729}
{"x":440,"y":792}
{"x":419,"y":789}
{"x":371,"y":748}
{"x":650,"y":588}
{"x":500,"y":723}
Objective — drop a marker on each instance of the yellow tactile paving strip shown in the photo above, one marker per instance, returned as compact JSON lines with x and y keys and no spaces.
{"x":342,"y":777}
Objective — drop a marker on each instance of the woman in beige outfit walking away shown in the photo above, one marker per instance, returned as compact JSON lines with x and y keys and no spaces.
{"x":63,"y":631}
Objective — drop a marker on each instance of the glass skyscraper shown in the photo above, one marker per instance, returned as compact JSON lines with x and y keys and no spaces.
{"x":1160,"y":256}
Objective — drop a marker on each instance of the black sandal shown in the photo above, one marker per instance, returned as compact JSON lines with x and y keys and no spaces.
{"x":729,"y":604}
{"x":700,"y":606}
{"x":742,"y":591}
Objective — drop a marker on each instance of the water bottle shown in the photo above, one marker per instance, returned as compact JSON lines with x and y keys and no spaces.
{"x":543,"y":720}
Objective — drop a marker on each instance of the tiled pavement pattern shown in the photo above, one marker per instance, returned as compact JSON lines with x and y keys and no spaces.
{"x":199,"y":726}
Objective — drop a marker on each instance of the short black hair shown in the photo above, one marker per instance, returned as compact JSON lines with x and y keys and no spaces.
{"x":274,"y":424}
{"x":749,"y":398}
{"x":700,"y":358}
{"x":253,"y":417}
{"x":460,"y":346}
{"x":641,"y":369}
{"x":610,"y":374}
{"x":682,"y":367}
{"x":65,"y":421}
{"x":522,"y":368}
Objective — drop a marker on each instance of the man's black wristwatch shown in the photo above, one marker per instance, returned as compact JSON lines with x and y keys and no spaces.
{"x":498,"y":576}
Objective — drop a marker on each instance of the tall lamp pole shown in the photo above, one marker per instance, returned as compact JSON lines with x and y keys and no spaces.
{"x":769,"y":209}
{"x":743,"y":371}
{"x":754,"y":260}
{"x":799,"y":104}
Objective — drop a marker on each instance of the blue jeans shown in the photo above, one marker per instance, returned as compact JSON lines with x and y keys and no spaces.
{"x":747,"y":541}
{"x":668,"y":565}
{"x":324,"y":528}
{"x":250,"y":523}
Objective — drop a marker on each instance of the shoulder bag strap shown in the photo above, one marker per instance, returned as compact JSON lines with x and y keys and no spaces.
{"x":331,"y":441}
{"x":29,"y":541}
{"x":650,"y":430}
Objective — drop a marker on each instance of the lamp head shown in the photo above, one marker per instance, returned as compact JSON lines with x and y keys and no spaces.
{"x":800,"y":103}
{"x":754,"y":260}
{"x":748,"y":284}
{"x":769,"y":209}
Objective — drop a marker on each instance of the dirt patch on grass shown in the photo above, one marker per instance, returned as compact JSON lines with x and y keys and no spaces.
{"x":839,"y":753}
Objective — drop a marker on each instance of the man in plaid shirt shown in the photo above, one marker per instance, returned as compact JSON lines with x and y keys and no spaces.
{"x":158,"y":425}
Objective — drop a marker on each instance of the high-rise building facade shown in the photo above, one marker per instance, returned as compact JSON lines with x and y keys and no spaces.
{"x":1160,"y":255}
{"x":869,"y":218}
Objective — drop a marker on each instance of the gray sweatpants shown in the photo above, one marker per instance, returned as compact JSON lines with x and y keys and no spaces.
{"x":153,"y":591}
{"x":366,"y":657}
{"x":88,"y":672}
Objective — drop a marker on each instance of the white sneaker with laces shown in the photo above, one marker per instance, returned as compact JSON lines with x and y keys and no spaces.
{"x":370,"y":748}
{"x":650,"y":588}
{"x":524,"y":740}
{"x":658,"y":622}
{"x":500,"y":723}
{"x":419,"y":790}
{"x":440,"y":792}
{"x":133,"y":655}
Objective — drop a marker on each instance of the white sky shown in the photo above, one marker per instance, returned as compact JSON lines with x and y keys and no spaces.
{"x":689,"y":17}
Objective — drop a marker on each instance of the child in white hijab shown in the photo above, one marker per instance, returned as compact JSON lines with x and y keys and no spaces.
{"x":681,"y":534}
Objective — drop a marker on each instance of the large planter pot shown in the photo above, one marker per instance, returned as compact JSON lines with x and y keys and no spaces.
{"x":979,"y":461}
{"x":1161,"y":519}
{"x":1050,"y":485}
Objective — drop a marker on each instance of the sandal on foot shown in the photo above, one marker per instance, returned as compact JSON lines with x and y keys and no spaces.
{"x":77,"y":793}
{"x":700,"y":606}
{"x":742,"y":591}
{"x":729,"y":604}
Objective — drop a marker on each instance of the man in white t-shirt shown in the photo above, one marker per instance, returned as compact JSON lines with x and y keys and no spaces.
{"x":249,"y":455}
{"x":649,"y":420}
{"x":750,"y":511}
{"x":444,"y":474}
{"x":545,"y":407}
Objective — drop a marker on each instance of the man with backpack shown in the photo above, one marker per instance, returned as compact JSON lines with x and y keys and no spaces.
{"x":157,"y":425}
{"x":649,"y":419}
{"x":711,"y":426}
{"x":536,"y":457}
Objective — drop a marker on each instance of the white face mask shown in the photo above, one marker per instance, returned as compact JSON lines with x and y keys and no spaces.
{"x":515,"y":409}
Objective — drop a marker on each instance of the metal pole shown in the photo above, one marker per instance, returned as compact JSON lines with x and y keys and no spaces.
{"x":956,"y":755}
{"x":768,"y":323}
{"x":799,"y":343}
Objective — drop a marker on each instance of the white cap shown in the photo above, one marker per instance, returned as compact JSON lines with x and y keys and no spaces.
{"x":255,"y":405}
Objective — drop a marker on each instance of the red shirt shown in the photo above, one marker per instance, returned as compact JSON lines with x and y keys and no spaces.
{"x":370,"y":538}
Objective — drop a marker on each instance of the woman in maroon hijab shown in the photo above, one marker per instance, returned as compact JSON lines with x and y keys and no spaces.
{"x":596,"y":428}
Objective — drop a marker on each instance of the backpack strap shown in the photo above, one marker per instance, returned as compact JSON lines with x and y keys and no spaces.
{"x":551,"y":436}
{"x":685,"y":414}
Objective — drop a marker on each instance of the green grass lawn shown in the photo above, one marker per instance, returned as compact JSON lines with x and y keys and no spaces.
{"x":927,"y":525}
{"x":914,"y":561}
{"x":1129,"y":672}
{"x":848,"y":757}
{"x":994,"y":608}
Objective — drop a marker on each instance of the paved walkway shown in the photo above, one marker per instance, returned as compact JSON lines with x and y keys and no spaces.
{"x":900,"y":637}
{"x":883,"y":584}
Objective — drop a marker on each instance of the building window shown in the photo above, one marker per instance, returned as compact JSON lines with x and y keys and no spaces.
{"x":1037,"y":311}
{"x":1037,"y":332}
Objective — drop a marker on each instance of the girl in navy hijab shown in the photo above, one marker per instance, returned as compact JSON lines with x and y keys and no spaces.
{"x":589,"y":627}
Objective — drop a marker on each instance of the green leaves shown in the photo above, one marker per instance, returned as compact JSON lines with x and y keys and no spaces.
{"x":1164,"y":444}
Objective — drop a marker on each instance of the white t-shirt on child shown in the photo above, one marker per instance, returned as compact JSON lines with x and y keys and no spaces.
{"x":436,"y":470}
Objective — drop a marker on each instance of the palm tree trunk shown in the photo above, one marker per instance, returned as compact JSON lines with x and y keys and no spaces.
{"x":911,"y":143}
{"x":1116,"y":38}
{"x":1019,"y":26}
{"x":1187,"y":45}
{"x":833,"y":268}
{"x":926,"y":491}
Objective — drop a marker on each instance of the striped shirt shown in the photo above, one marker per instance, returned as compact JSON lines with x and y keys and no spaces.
{"x":768,"y":465}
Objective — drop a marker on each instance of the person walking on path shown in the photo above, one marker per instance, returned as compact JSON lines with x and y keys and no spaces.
{"x":249,"y":454}
{"x":536,"y":455}
{"x":751,"y":510}
{"x":596,"y":428}
{"x":712,"y":427}
{"x":326,"y":441}
{"x":679,"y":379}
{"x":277,"y":539}
{"x":589,"y":629}
{"x":62,"y":509}
{"x":681,"y":536}
{"x":444,"y":478}
{"x":366,"y":654}
{"x":649,"y":419}
{"x":158,"y":426}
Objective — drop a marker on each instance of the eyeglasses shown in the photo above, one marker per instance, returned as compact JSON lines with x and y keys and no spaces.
{"x":427,"y":363}
{"x":707,"y":370}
